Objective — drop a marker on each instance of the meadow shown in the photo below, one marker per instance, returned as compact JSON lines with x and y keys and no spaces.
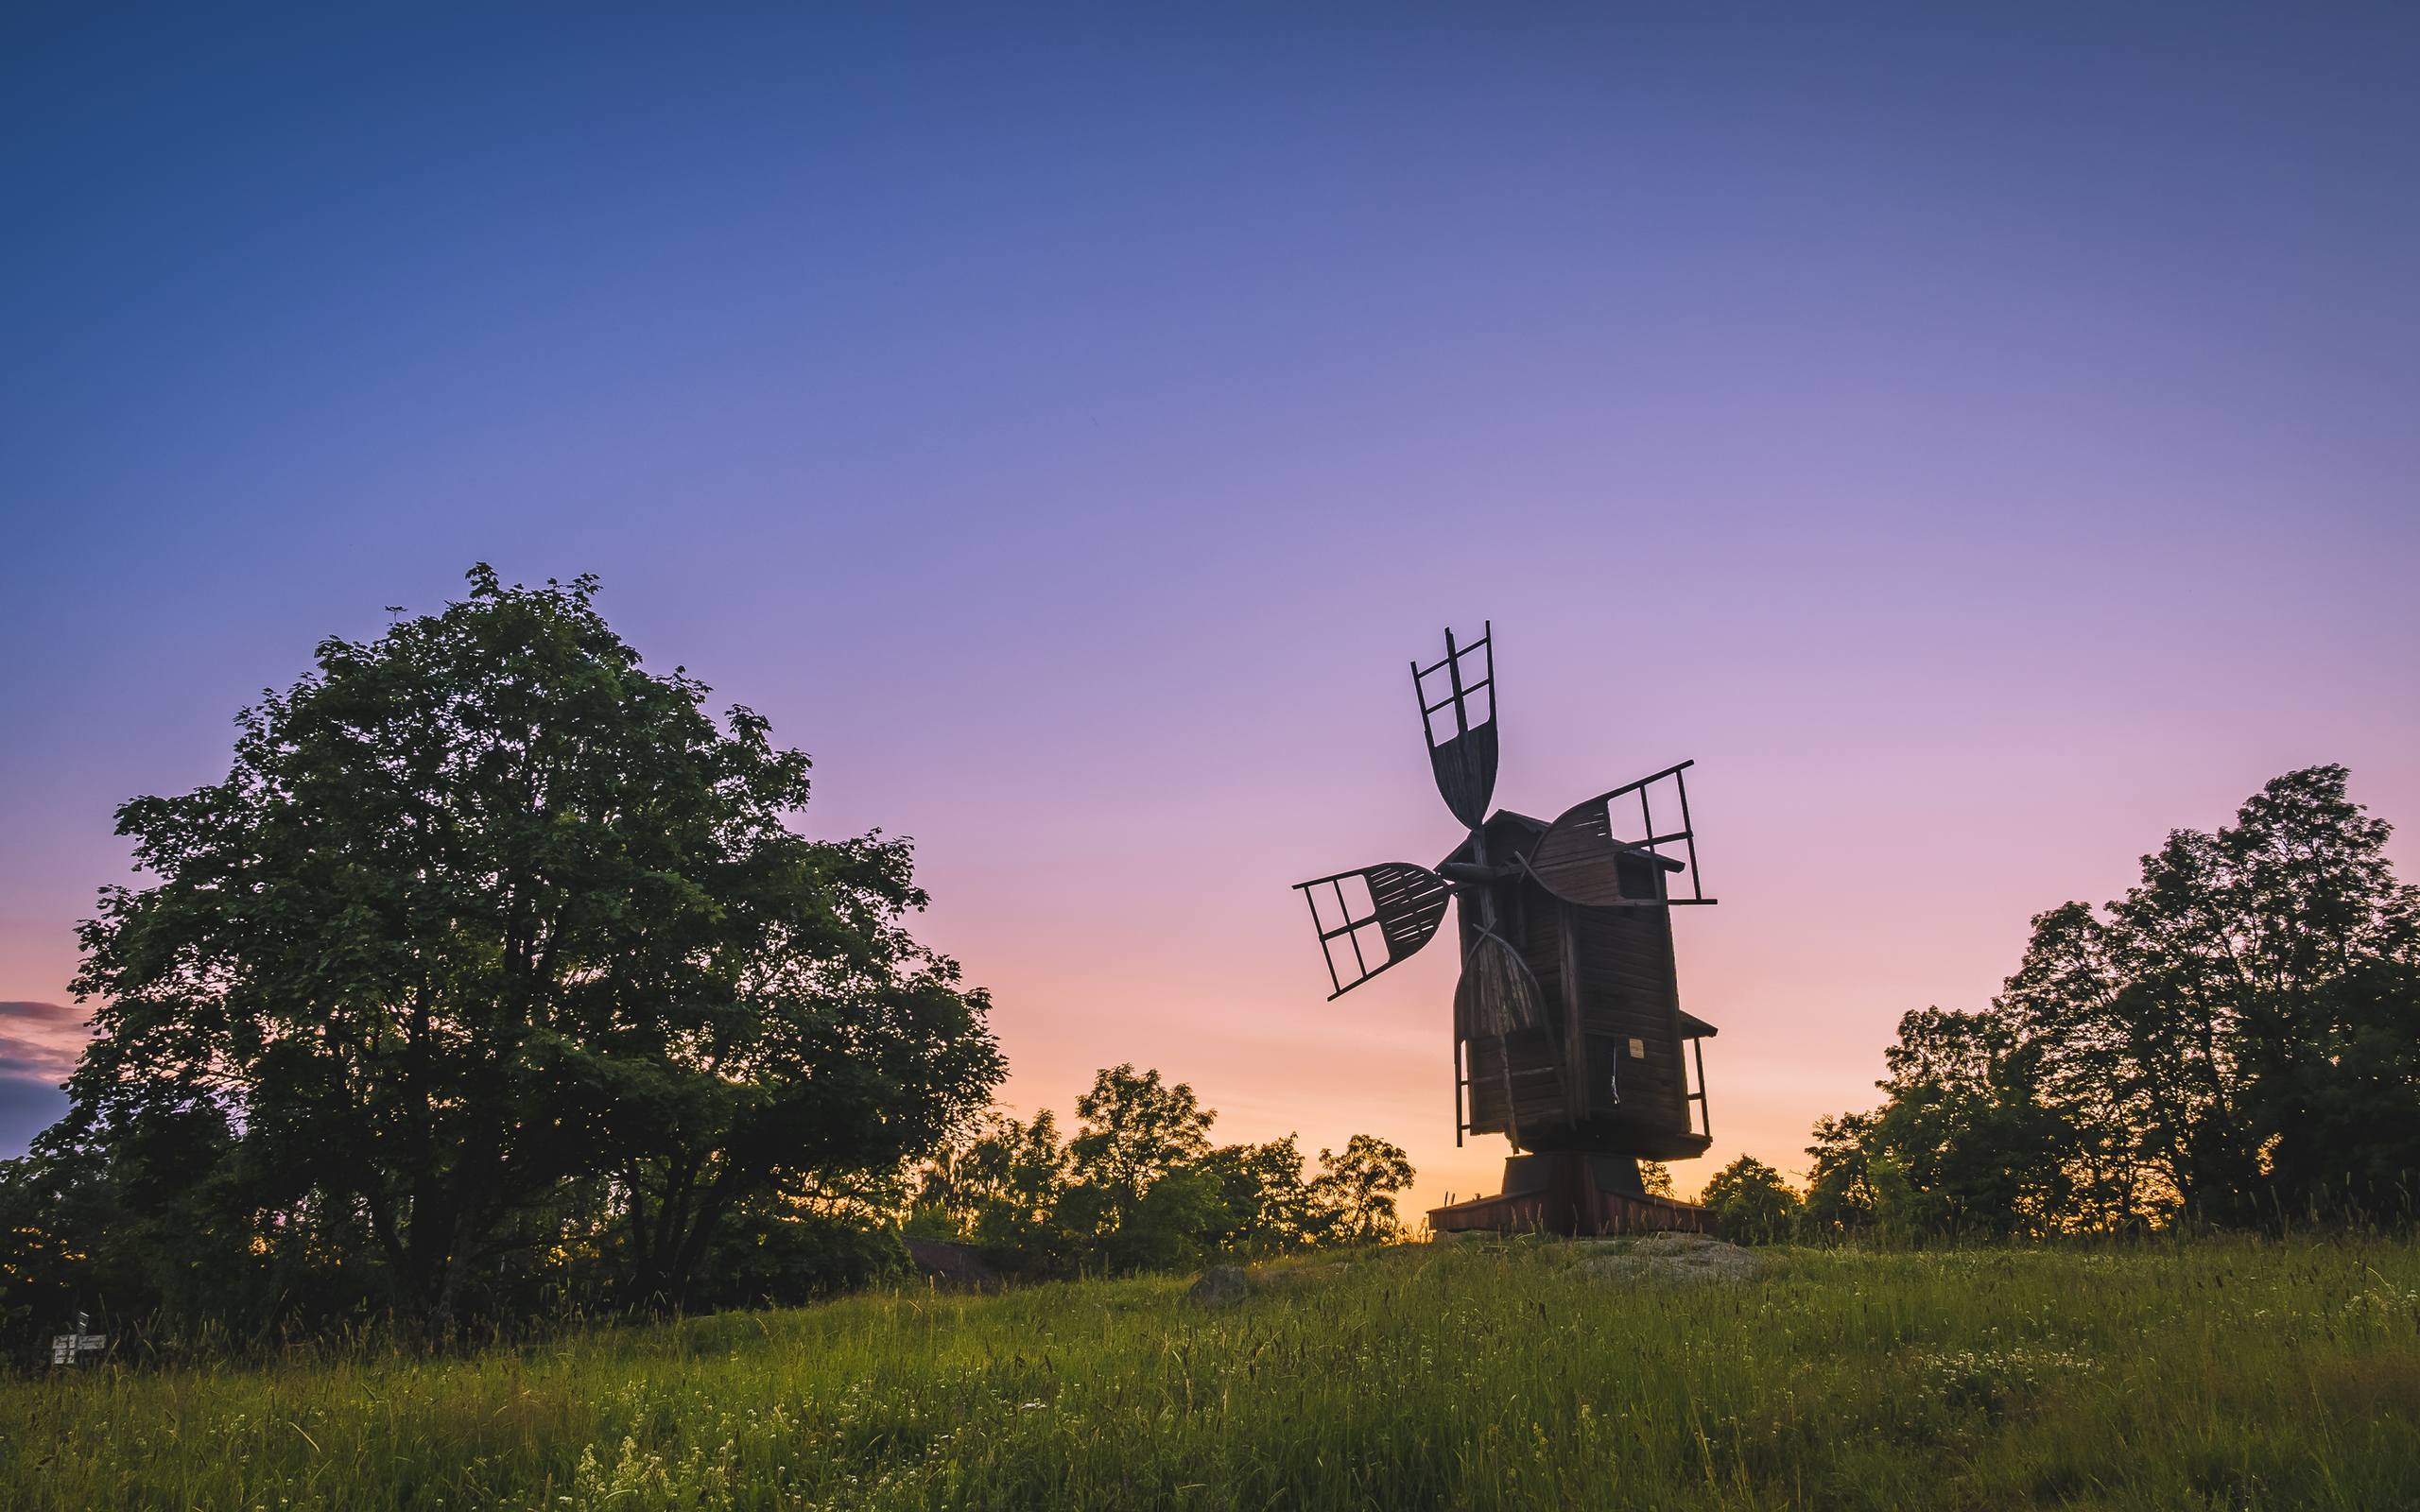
{"x":2217,"y":1373}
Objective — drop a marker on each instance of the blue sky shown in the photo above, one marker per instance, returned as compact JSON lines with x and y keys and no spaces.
{"x":1982,"y":442}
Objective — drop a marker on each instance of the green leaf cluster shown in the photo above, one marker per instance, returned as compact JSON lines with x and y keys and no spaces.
{"x":2236,"y":1041}
{"x":1141,"y":1187}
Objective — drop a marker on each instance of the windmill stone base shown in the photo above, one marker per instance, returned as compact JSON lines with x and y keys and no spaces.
{"x":1571,"y":1192}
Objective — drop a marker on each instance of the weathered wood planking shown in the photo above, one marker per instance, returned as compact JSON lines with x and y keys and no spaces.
{"x":1604,"y":1067}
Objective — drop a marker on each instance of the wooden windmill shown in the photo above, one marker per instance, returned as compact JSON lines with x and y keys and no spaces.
{"x":1569,"y":1033}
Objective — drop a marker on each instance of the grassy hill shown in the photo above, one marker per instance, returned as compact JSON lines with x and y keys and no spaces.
{"x":2215,"y":1374}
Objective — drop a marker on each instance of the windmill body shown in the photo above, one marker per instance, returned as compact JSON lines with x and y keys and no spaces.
{"x":1569,"y":1033}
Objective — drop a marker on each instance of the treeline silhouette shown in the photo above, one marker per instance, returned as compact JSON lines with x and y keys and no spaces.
{"x":491,"y":984}
{"x":2234,"y":1043}
{"x":1140,"y":1187}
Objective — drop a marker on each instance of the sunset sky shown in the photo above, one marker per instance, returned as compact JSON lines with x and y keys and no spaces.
{"x":1981,"y":450}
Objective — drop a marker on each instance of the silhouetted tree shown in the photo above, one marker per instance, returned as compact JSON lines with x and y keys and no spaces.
{"x":1840,"y":1187}
{"x":2064,"y":998}
{"x":1133,"y":1133}
{"x":1357,"y":1188}
{"x":485,"y":910}
{"x":1965,"y":1144}
{"x":1141,"y":1187}
{"x":1751,"y":1202}
{"x":1268,"y":1204}
{"x":1001,"y":1187}
{"x":2236,"y":1039}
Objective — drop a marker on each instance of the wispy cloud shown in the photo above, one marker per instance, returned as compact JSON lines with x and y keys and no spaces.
{"x":40,"y":1041}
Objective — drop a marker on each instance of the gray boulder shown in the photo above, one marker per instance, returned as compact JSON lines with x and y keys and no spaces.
{"x":1219,"y":1286}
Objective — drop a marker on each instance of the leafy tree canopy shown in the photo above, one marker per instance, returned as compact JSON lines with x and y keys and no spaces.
{"x":2237,"y":1040}
{"x":1751,"y":1201}
{"x":486,"y":910}
{"x":1140,"y":1187}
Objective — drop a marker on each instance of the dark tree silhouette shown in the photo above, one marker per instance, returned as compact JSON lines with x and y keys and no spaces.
{"x":1141,"y":1187}
{"x":484,"y":910}
{"x":2237,"y":1040}
{"x":1751,"y":1202}
{"x":1356,"y":1188}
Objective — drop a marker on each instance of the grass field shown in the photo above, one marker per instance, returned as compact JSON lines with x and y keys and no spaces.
{"x":2214,"y":1374}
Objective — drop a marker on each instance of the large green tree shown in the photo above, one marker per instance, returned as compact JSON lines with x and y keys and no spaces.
{"x":486,"y":909}
{"x":2236,"y":1040}
{"x":2240,"y":1035}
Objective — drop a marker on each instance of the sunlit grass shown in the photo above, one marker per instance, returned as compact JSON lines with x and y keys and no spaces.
{"x":2216,"y":1374}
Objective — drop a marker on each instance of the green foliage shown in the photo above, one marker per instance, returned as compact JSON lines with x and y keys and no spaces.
{"x":1751,"y":1203}
{"x":1135,"y":1131}
{"x":1497,"y":1376}
{"x":493,"y":948}
{"x":784,"y":1253}
{"x":1966,"y":1145}
{"x":1140,"y":1187}
{"x":1174,"y":1224}
{"x":2236,"y":1040}
{"x":1840,"y":1183}
{"x":1268,"y":1206}
{"x":1355,"y":1191}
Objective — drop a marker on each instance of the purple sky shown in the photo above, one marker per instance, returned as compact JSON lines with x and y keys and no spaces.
{"x":1982,"y":447}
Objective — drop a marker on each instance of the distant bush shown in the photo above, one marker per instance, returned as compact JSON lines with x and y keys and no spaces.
{"x":1751,"y":1204}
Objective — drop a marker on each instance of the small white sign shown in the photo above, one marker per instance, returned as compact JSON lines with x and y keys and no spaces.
{"x":67,"y":1349}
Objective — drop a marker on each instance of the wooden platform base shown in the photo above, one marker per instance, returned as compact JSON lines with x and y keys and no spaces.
{"x":1571,"y":1192}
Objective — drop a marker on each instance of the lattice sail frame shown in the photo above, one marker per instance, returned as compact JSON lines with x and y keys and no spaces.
{"x":1591,"y":855}
{"x":1464,"y":761}
{"x":1406,"y":903}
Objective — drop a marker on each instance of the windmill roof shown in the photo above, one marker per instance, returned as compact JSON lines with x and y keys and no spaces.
{"x":1503,"y":819}
{"x":1497,"y":822}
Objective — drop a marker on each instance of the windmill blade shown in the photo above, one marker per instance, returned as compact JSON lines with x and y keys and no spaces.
{"x":1609,"y":853}
{"x":1497,"y":999}
{"x":1497,"y":995}
{"x":1371,"y":918}
{"x":1579,"y":867}
{"x":1459,"y":726}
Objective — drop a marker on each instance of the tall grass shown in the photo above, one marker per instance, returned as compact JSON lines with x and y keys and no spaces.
{"x":2215,"y":1373}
